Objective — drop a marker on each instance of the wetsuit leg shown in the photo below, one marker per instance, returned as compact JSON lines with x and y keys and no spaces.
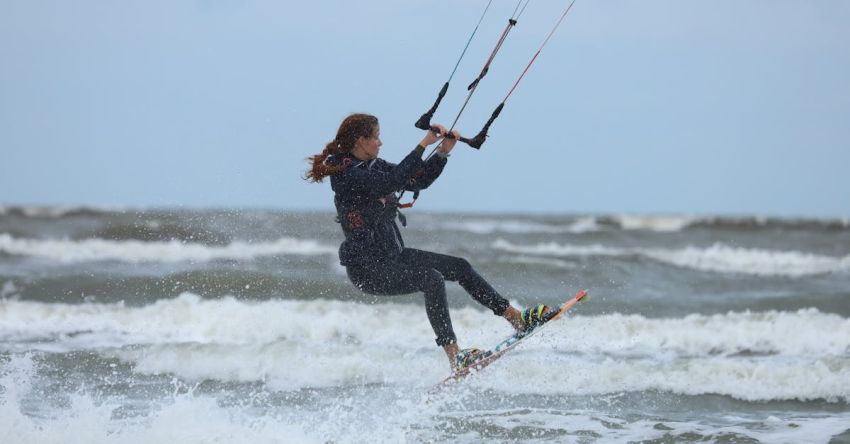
{"x":459,"y":270}
{"x":396,"y":277}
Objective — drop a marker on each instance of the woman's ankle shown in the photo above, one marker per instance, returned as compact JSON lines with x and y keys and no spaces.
{"x":514,"y":317}
{"x":451,"y":352}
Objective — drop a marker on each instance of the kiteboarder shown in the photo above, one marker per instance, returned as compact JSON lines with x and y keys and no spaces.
{"x":377,"y":261}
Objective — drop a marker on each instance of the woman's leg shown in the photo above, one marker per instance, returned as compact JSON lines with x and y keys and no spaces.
{"x":460,"y":270}
{"x":395,"y":278}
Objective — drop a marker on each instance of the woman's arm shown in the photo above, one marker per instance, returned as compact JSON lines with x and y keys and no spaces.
{"x":387,"y":178}
{"x":377,"y":182}
{"x":425,"y":176}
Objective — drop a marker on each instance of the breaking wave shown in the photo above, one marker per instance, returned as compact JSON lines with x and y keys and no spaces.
{"x":718,"y":258}
{"x":516,"y":226}
{"x":762,"y":356}
{"x":633,"y":222}
{"x":134,"y":251}
{"x":57,"y":212}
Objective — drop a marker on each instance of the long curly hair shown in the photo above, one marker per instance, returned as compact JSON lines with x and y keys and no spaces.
{"x":352,"y":127}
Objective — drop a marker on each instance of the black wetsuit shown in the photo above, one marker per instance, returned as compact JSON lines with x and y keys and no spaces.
{"x":373,"y":252}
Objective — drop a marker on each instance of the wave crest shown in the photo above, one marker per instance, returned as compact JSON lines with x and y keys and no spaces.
{"x":718,"y":258}
{"x":772,"y":355}
{"x":134,"y":251}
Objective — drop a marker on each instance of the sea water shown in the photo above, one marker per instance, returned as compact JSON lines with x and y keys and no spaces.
{"x":130,"y":326}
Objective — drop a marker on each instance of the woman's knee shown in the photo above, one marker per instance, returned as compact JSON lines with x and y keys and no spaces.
{"x":432,"y":281}
{"x":359,"y":278}
{"x":459,"y":268}
{"x":463,"y":265}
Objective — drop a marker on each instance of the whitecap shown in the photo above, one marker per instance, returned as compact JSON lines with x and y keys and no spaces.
{"x":718,"y":258}
{"x":134,"y":251}
{"x":518,"y":226}
{"x":773,"y":355}
{"x":662,"y":224}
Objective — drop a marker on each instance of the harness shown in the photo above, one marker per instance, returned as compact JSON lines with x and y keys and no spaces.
{"x":360,"y":215}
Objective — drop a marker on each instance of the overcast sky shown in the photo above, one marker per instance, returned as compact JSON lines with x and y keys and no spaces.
{"x":639,"y":106}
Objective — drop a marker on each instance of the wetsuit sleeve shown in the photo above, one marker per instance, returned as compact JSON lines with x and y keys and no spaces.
{"x":427,"y":174}
{"x":379,"y":182}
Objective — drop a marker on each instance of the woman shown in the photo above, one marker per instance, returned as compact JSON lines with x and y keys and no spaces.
{"x":374,"y":255}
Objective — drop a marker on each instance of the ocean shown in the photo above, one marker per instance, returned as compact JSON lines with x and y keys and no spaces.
{"x":239,"y":326}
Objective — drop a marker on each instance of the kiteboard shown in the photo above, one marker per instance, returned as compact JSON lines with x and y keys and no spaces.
{"x":490,"y":356}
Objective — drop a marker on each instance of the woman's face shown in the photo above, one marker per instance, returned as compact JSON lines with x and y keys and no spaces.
{"x":368,"y":147}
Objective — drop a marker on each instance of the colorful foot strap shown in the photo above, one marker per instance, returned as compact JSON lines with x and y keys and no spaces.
{"x":532,"y":317}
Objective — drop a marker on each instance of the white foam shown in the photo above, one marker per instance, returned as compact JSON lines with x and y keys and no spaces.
{"x":134,"y":251}
{"x":587,"y":224}
{"x":50,"y":212}
{"x":561,"y":250}
{"x":183,"y":418}
{"x":748,"y":379}
{"x":805,"y":332}
{"x":802,"y":355}
{"x":228,"y":321}
{"x":725,"y":259}
{"x":295,"y":344}
{"x":233,"y":340}
{"x":190,"y":319}
{"x":662,"y":224}
{"x":28,"y":414}
{"x":718,"y":258}
{"x":56,"y":212}
{"x":516,"y":226}
{"x":368,"y":414}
